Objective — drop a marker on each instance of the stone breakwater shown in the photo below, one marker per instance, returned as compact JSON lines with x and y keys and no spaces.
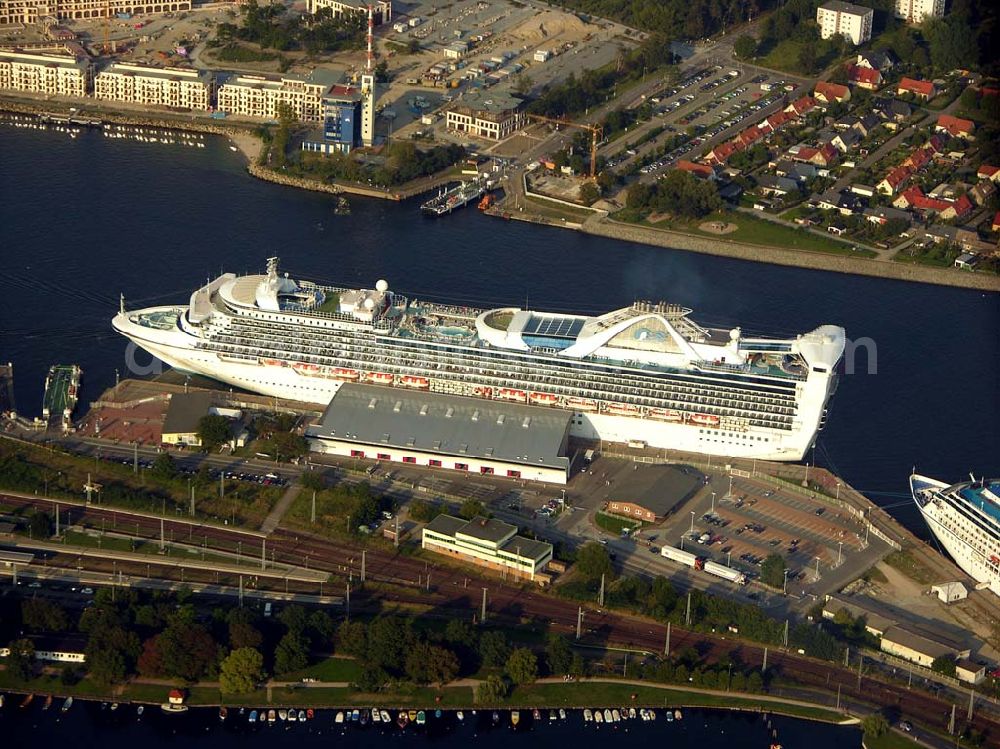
{"x":779,"y":256}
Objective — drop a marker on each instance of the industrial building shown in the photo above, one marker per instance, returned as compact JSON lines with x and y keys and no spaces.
{"x":471,"y":435}
{"x":652,"y":494}
{"x":950,"y":592}
{"x":31,"y":12}
{"x":180,"y":424}
{"x":258,"y":96}
{"x":488,"y":543}
{"x":182,"y":88}
{"x":919,"y":648}
{"x":42,"y":73}
{"x":492,"y":115}
{"x":845,"y":19}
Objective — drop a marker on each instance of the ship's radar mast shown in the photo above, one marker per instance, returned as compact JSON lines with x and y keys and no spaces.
{"x":272,"y":266}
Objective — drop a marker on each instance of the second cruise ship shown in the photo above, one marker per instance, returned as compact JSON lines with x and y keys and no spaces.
{"x":645,"y":373}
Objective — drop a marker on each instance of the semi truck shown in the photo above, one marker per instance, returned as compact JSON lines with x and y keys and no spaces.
{"x":700,"y":563}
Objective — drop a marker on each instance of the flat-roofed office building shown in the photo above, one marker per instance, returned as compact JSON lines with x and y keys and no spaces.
{"x":53,"y":75}
{"x":180,"y":88}
{"x":487,"y":543}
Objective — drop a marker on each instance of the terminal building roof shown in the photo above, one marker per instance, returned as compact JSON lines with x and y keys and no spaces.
{"x":446,"y":425}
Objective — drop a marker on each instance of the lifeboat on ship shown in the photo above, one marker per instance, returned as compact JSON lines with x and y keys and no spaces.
{"x":344,"y":374}
{"x":581,"y":404}
{"x":509,"y":394}
{"x":272,"y":362}
{"x":707,"y":420}
{"x":543,"y":399}
{"x":484,"y":392}
{"x":410,"y":381}
{"x":622,"y":409}
{"x":378,"y":378}
{"x":666,"y":414}
{"x":304,"y":368}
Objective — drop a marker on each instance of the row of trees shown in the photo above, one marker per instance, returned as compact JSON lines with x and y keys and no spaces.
{"x":402,"y":162}
{"x":678,"y":194}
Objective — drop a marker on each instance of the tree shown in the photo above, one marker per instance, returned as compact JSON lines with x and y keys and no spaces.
{"x":772,"y":571}
{"x":241,"y":671}
{"x":460,"y":632}
{"x":40,"y":525}
{"x":413,"y":47}
{"x":426,"y":663}
{"x":213,"y":431}
{"x":371,"y":679}
{"x":493,"y":649}
{"x":745,"y":47}
{"x":589,"y":193}
{"x":21,"y":660}
{"x":423,"y":511}
{"x":522,"y":666}
{"x":952,"y":43}
{"x":242,"y":634}
{"x":558,"y":656}
{"x":352,"y":639}
{"x":41,"y":615}
{"x":150,"y":661}
{"x":164,"y":467}
{"x":874,"y":725}
{"x":292,"y":653}
{"x":188,"y":650}
{"x":111,"y":654}
{"x":807,"y":58}
{"x":491,"y":691}
{"x":389,"y":641}
{"x":472,"y":508}
{"x":592,"y":561}
{"x":944,"y":664}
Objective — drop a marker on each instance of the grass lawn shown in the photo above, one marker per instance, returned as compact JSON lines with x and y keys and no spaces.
{"x":891,"y":740}
{"x":615,"y":524}
{"x":555,"y":210}
{"x":331,"y":669}
{"x":909,"y":566}
{"x":760,"y":231}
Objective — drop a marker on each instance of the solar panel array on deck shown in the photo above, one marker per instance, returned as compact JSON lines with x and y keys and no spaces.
{"x":554,"y":327}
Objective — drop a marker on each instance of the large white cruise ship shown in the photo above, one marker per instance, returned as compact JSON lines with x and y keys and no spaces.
{"x":965,"y":518}
{"x":645,"y":373}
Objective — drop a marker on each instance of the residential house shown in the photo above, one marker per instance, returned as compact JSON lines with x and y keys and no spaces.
{"x":988,"y":171}
{"x":922,"y":89}
{"x":866,"y":190}
{"x":955,"y":126}
{"x":771,"y":185}
{"x":830,"y":93}
{"x":982,"y":192}
{"x":795,"y":170}
{"x":846,"y":140}
{"x":876,"y":60}
{"x":881,"y":215}
{"x":802,"y":106}
{"x":941,"y":234}
{"x":895,"y":179}
{"x":866,"y":78}
{"x":704,"y":171}
{"x":847,"y":204}
{"x":866,"y":125}
{"x":913,"y":197}
{"x":968,"y":240}
{"x":779,"y":119}
{"x":958,"y":208}
{"x":721,"y":153}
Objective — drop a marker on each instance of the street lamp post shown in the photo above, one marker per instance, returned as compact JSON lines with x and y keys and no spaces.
{"x":713,"y":501}
{"x":692,"y":522}
{"x":840,"y":552}
{"x":784,"y":584}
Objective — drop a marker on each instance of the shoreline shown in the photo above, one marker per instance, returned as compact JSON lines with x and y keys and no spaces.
{"x":247,"y":143}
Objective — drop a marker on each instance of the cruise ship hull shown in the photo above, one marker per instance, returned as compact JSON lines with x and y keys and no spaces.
{"x":643,"y":374}
{"x":936,"y":514}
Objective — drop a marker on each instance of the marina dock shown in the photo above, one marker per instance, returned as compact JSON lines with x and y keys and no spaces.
{"x":62,"y":388}
{"x":456,"y":197}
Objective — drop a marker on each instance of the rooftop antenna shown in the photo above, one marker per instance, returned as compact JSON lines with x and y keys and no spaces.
{"x":371,"y":35}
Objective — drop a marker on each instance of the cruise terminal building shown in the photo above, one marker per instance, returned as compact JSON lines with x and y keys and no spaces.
{"x":471,"y":435}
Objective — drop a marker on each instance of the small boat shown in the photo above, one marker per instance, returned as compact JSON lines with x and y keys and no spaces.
{"x":66,"y":705}
{"x":421,"y":718}
{"x":168,"y":707}
{"x":652,"y":714}
{"x":587,"y":715}
{"x":48,"y":702}
{"x":536,"y":714}
{"x":339,"y":717}
{"x":253,"y":716}
{"x":233,"y":148}
{"x":283,"y":714}
{"x":411,"y":715}
{"x":402,"y":719}
{"x":310,"y":714}
{"x":607,"y":715}
{"x":708,"y":420}
{"x":437,"y":713}
{"x":2,"y":698}
{"x":410,"y":381}
{"x":27,"y":700}
{"x":670,"y":716}
{"x":552,"y":715}
{"x":114,"y":705}
{"x":515,"y":717}
{"x":355,"y":716}
{"x":385,"y":716}
{"x":302,"y":716}
{"x":271,"y":716}
{"x":678,"y":715}
{"x":496,"y":717}
{"x":616,"y":715}
{"x":364,"y":717}
{"x":562,"y":714}
{"x":598,"y":717}
{"x":460,"y":715}
{"x":631,"y":713}
{"x":582,"y":404}
{"x":376,"y":716}
{"x":223,"y":713}
{"x":142,"y":708}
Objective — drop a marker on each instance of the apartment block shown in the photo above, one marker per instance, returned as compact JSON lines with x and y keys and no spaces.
{"x":258,"y":96}
{"x":53,"y":75}
{"x":845,"y":19}
{"x":491,"y":115}
{"x":381,"y":9}
{"x":916,"y":11}
{"x":31,"y":11}
{"x":180,"y":88}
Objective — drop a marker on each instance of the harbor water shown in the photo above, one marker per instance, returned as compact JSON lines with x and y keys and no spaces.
{"x":86,"y":218}
{"x":91,"y":726}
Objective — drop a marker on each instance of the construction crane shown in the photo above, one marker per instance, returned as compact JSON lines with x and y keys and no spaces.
{"x":595,"y":136}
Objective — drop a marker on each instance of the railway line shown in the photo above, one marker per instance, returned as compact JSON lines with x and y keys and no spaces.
{"x":454,"y":591}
